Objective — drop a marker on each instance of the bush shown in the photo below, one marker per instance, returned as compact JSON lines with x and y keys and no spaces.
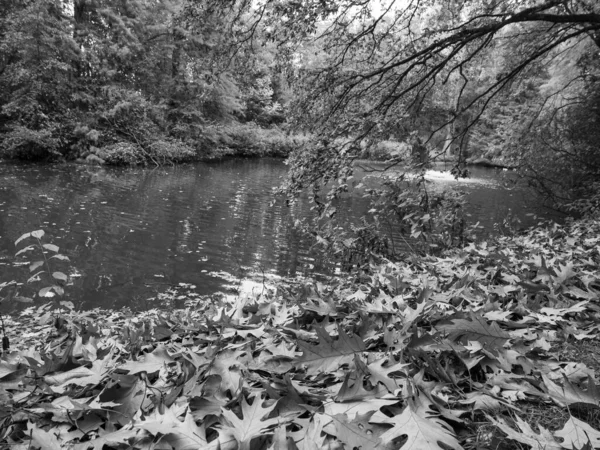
{"x":122,"y":153}
{"x":24,"y":143}
{"x":385,"y":150}
{"x":162,"y":151}
{"x":169,"y":151}
{"x":248,"y":140}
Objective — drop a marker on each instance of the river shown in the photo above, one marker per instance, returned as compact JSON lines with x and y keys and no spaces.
{"x":131,"y":233}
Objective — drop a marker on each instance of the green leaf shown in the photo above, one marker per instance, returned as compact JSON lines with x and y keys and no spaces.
{"x":58,"y":289}
{"x":60,"y":257}
{"x":35,"y":265}
{"x":67,"y":304}
{"x":24,"y":236}
{"x":60,"y":276}
{"x":35,"y":277}
{"x":47,"y":292}
{"x":38,"y":234}
{"x":23,"y":250}
{"x":51,"y":247}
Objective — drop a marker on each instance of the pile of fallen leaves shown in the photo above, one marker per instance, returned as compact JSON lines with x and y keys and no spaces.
{"x":434,"y":353}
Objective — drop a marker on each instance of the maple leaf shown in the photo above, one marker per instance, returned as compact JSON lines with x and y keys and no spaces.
{"x":43,"y":439}
{"x":229,"y":367}
{"x":356,"y":433}
{"x":578,"y":434}
{"x":353,"y":409}
{"x":311,"y":436}
{"x":281,"y":441}
{"x":209,"y":399}
{"x":575,"y":372}
{"x":381,"y":374}
{"x":538,"y":441}
{"x":329,"y":354}
{"x":150,"y":363}
{"x":251,"y":424}
{"x":321,"y":307}
{"x":513,"y":382}
{"x":564,"y":273}
{"x":80,"y":376}
{"x":129,"y":393}
{"x":110,"y":439}
{"x":184,"y":435}
{"x":484,"y":401}
{"x":424,"y":431}
{"x":476,"y":329}
{"x":561,"y":313}
{"x":356,"y":391}
{"x":569,"y":393}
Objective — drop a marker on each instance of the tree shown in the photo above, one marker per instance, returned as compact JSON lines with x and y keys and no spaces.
{"x":367,"y":71}
{"x":36,"y":54}
{"x":127,"y":80}
{"x":383,"y":62}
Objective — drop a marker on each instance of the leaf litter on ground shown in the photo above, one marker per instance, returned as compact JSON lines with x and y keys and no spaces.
{"x":444,"y":353}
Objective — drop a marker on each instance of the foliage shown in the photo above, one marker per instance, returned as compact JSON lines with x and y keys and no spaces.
{"x":406,"y":217}
{"x":560,"y":159}
{"x":25,"y":143}
{"x":250,"y":140}
{"x":122,"y":153}
{"x":133,"y":73}
{"x":455,"y":79}
{"x":403,"y":355}
{"x":42,"y":269}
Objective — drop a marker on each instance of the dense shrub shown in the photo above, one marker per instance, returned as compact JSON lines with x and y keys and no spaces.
{"x":122,"y":153}
{"x":247,"y":140}
{"x":25,"y":143}
{"x":168,"y":151}
{"x":385,"y":150}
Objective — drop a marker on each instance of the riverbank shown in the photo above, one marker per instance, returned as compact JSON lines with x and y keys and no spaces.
{"x":213,"y":142}
{"x":388,"y":150}
{"x":222,"y":141}
{"x":216,"y":142}
{"x":471,"y":349}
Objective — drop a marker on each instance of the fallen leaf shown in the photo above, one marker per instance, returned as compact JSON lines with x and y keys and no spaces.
{"x":538,"y":441}
{"x":577,"y":434}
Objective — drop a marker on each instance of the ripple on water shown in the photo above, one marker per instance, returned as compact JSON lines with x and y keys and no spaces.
{"x":132,"y":232}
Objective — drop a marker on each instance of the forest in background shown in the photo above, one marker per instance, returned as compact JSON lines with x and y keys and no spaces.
{"x":133,"y":81}
{"x":176,"y":80}
{"x":455,"y":345}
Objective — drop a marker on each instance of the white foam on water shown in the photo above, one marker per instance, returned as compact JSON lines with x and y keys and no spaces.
{"x":447,"y":177}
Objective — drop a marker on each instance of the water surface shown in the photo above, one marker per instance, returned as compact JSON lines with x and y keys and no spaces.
{"x":133,"y":232}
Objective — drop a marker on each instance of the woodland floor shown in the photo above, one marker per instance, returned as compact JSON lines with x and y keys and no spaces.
{"x":491,"y":346}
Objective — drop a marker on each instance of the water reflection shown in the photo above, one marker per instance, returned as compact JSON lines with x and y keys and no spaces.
{"x":132,"y":232}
